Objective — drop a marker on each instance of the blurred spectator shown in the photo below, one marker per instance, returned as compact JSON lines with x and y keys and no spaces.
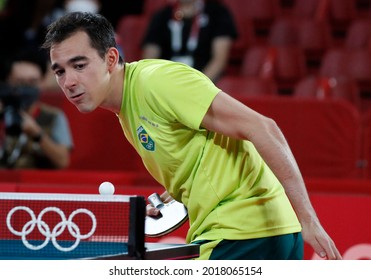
{"x":45,"y":12}
{"x":34,"y":135}
{"x":23,"y":24}
{"x":199,"y":33}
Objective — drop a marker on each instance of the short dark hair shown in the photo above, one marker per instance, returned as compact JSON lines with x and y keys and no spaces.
{"x":96,"y":26}
{"x":33,"y":56}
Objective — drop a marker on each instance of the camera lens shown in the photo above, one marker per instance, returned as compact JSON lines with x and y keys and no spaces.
{"x":12,"y":121}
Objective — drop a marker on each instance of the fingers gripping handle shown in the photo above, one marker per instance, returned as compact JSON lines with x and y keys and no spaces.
{"x":155,"y":200}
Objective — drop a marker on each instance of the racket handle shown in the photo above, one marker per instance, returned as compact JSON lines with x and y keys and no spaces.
{"x":155,"y":200}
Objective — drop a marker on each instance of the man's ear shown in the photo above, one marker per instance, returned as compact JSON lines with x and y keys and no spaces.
{"x":112,"y":58}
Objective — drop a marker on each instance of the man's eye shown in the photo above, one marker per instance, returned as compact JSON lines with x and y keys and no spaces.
{"x":59,"y":72}
{"x":79,"y":66}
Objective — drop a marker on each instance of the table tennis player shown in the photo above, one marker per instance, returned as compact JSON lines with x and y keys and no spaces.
{"x":229,"y":165}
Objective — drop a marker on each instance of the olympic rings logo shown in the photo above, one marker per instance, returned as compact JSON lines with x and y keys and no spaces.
{"x":44,"y":229}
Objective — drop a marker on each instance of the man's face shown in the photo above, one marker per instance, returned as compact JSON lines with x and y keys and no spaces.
{"x":80,"y":72}
{"x":25,"y":73}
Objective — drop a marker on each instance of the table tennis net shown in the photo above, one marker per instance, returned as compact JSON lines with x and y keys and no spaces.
{"x":70,"y":226}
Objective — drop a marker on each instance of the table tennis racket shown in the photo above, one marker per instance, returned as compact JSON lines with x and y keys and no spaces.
{"x":172,"y":215}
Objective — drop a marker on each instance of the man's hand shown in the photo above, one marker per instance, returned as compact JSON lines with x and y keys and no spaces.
{"x":322,"y":244}
{"x":153,"y":211}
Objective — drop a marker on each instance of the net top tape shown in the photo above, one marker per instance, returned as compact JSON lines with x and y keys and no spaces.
{"x":64,"y":197}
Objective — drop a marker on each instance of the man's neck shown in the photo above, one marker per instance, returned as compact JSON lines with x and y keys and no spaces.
{"x":114,"y":100}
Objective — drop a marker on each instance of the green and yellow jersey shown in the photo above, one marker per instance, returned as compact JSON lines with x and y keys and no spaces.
{"x":228,"y":189}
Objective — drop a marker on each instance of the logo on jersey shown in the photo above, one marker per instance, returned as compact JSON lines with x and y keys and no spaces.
{"x":145,"y":139}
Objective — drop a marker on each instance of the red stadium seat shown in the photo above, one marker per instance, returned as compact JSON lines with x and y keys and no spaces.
{"x":351,"y":63}
{"x":324,"y":135}
{"x":262,"y":13}
{"x":360,"y":69}
{"x":335,"y":10}
{"x":339,"y":13}
{"x":284,"y":64}
{"x":358,"y":34}
{"x":313,"y":9}
{"x":240,"y":87}
{"x":335,"y":63}
{"x":313,"y":36}
{"x":246,"y":38}
{"x":284,"y":32}
{"x":130,"y":32}
{"x":321,"y":88}
{"x":342,"y":13}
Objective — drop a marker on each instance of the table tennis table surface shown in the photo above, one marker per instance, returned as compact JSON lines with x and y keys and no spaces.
{"x":97,"y":250}
{"x":161,"y":251}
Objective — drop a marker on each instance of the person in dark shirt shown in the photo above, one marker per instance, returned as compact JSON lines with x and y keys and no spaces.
{"x":196,"y":32}
{"x":32,"y":134}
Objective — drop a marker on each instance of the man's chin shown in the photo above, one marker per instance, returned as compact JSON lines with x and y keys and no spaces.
{"x":85,"y":109}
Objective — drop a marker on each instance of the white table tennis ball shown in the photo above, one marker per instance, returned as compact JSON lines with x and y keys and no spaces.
{"x":106,"y":188}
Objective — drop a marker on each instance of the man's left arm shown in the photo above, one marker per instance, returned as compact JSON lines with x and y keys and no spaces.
{"x":232,"y":118}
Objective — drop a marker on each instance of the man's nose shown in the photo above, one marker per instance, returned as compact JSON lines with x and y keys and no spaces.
{"x":70,"y":80}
